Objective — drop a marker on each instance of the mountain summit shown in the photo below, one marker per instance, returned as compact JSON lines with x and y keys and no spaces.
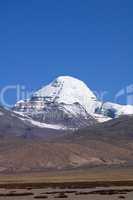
{"x":42,"y":132}
{"x":69,"y":103}
{"x":66,"y":101}
{"x":67,"y":90}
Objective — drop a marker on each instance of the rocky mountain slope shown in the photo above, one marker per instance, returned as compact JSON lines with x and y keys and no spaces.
{"x":23,"y":149}
{"x":15,"y":125}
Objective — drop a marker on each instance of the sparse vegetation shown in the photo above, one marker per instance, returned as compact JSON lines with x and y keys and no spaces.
{"x":40,"y":197}
{"x":61,"y":195}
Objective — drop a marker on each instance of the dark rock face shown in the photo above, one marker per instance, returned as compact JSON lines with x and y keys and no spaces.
{"x":15,"y":125}
{"x":64,"y":115}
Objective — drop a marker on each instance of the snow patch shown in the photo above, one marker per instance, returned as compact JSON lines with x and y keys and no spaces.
{"x":43,"y":125}
{"x":118,"y":109}
{"x":1,"y":113}
{"x":101,"y":118}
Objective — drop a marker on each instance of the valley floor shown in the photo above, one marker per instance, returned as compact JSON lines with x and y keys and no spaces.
{"x":92,"y":184}
{"x":97,"y":174}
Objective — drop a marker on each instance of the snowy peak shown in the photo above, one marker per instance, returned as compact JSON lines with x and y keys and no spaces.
{"x":64,"y":86}
{"x":68,"y":102}
{"x":67,"y":90}
{"x":115,"y":110}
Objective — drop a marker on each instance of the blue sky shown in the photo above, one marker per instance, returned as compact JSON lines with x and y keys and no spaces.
{"x":43,"y":39}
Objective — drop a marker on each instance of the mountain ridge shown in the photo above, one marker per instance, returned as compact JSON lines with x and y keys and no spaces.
{"x":69,"y":102}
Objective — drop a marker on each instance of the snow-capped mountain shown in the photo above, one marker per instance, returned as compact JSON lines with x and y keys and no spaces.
{"x":113,"y":110}
{"x":68,"y":102}
{"x":63,"y":90}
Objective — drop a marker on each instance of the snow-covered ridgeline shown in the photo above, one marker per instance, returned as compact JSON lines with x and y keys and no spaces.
{"x":68,"y":101}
